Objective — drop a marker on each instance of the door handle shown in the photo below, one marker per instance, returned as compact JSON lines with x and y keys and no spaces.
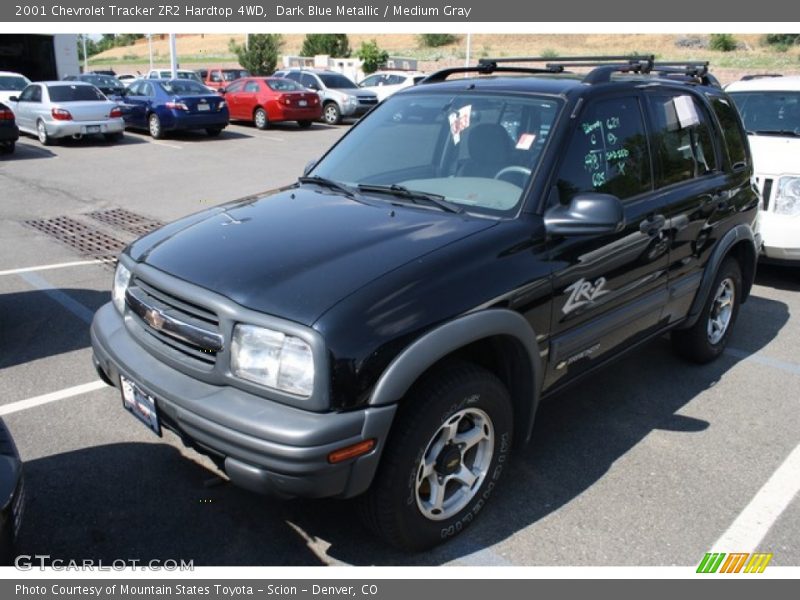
{"x":653,"y":225}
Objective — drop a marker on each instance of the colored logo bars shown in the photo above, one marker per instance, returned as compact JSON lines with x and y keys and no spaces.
{"x":735,"y":562}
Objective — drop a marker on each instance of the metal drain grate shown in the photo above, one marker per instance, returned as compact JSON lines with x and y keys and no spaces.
{"x":87,"y":240}
{"x":126,"y":220}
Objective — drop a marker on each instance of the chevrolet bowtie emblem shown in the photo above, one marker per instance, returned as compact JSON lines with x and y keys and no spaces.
{"x":154,"y":318}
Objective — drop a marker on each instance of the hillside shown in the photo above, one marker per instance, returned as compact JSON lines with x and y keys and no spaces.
{"x":751,"y":56}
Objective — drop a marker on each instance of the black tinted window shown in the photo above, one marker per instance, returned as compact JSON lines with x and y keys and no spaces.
{"x":683,"y":145}
{"x":336,"y":81}
{"x":607,"y":152}
{"x":74,"y":93}
{"x":734,"y":136}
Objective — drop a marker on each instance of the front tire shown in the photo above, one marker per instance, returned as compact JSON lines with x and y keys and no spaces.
{"x":331,"y":114}
{"x":154,"y":127}
{"x":448,"y":449}
{"x":41,"y":133}
{"x":707,"y":338}
{"x":213,"y":131}
{"x":261,"y":119}
{"x":304,"y":124}
{"x":8,"y":147}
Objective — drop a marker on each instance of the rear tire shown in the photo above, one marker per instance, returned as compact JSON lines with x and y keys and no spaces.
{"x":304,"y":124}
{"x":443,"y":460}
{"x":8,"y":147}
{"x":261,"y":119}
{"x":41,"y":133}
{"x":154,"y":127}
{"x":707,"y":338}
{"x":213,"y":131}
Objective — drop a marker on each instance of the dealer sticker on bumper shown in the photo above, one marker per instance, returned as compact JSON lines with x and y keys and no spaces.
{"x":142,"y":405}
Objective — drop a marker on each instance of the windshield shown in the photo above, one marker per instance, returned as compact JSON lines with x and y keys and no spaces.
{"x":234,"y":74}
{"x":12,"y":83}
{"x":185,"y":87}
{"x":474,"y":150}
{"x":769,"y":111}
{"x":102,"y":81}
{"x":74,"y":93}
{"x":336,"y":81}
{"x":284,"y":85}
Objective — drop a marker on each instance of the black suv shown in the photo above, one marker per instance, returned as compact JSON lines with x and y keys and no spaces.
{"x":387,"y":326}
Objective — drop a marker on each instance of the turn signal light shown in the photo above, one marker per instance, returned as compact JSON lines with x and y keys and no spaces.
{"x":348,"y":452}
{"x":61,"y":114}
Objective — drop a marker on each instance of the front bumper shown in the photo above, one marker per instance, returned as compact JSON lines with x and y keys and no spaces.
{"x":356,"y":110}
{"x":58,"y":129}
{"x":781,"y":234}
{"x":289,"y":456}
{"x":177,"y":120}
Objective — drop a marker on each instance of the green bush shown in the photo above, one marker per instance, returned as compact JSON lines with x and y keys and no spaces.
{"x":723,"y":42}
{"x":335,"y":45}
{"x":549,"y":53}
{"x":781,"y":40}
{"x":434,"y":40}
{"x":262,"y":52}
{"x":372,"y":57}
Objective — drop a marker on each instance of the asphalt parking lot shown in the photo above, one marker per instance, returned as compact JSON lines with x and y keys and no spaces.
{"x":651,"y":462}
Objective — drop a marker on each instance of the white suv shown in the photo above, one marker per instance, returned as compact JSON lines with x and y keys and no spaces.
{"x":770,"y":108}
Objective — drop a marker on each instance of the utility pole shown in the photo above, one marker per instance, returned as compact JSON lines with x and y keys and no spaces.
{"x":173,"y":56}
{"x":150,"y":48}
{"x":85,"y":57}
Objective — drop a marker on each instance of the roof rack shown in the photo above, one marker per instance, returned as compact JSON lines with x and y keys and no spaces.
{"x":604,"y":68}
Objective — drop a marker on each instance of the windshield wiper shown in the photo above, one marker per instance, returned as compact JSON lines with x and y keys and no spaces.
{"x":415,"y":196}
{"x":328,"y":183}
{"x":795,"y":132}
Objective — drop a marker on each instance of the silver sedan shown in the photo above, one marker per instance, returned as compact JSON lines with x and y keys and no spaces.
{"x":57,"y":109}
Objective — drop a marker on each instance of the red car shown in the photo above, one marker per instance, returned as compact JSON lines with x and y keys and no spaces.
{"x":265,"y":100}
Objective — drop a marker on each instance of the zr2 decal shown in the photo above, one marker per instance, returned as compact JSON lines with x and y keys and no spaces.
{"x":582,"y":293}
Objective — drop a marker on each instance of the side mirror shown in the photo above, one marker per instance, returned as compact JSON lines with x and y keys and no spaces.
{"x":589,"y":213}
{"x":310,"y":165}
{"x":13,"y":99}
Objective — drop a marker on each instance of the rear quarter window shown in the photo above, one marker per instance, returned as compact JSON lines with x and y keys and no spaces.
{"x":731,"y":130}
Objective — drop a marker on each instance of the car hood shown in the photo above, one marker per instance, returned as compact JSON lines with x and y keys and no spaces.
{"x":297,"y":252}
{"x":775,"y":155}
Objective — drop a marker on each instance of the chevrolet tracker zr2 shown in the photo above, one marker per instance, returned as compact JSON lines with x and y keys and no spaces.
{"x":386,"y":327}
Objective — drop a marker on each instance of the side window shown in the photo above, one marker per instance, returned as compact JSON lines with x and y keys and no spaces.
{"x":147,"y":90}
{"x":308,"y":81}
{"x":27,"y":93}
{"x":235,"y":87}
{"x":732,"y":130}
{"x":293,"y":75}
{"x":608,"y":152}
{"x":683,"y":144}
{"x":251,"y":87}
{"x":36,"y":94}
{"x":215,"y":76}
{"x":371,"y":81}
{"x":394,"y":80}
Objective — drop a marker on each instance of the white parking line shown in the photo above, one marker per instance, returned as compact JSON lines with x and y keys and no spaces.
{"x":753,"y":523}
{"x":51,"y":397}
{"x":73,"y":306}
{"x":165,"y":144}
{"x":76,"y":263}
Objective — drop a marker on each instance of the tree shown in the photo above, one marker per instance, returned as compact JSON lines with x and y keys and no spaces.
{"x":91,"y":47}
{"x":434,"y":40}
{"x":372,"y":57}
{"x":260,"y":57}
{"x":335,"y":45}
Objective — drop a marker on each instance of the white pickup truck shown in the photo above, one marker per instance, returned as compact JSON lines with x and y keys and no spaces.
{"x":770,"y":108}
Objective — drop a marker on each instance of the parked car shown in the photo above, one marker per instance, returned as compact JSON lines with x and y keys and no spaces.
{"x":387,"y":326}
{"x":127,"y":79}
{"x":9,"y":132}
{"x":112,"y":87}
{"x":340,"y":97}
{"x":12,"y":495}
{"x":219,"y":78}
{"x":265,"y":100}
{"x":386,"y":83}
{"x":57,"y":109}
{"x":163,"y":105}
{"x":770,"y":108}
{"x":107,"y":72}
{"x":11,"y":84}
{"x":181,"y":73}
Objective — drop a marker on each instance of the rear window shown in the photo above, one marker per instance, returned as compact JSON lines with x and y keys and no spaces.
{"x":184,"y":87}
{"x":12,"y":83}
{"x":234,"y":74}
{"x":74,"y":93}
{"x":336,"y":81}
{"x":284,"y":85}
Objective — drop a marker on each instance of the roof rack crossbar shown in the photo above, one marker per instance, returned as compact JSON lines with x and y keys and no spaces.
{"x":442,"y":75}
{"x":579,"y":60}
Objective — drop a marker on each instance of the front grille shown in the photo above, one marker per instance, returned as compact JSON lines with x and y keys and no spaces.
{"x":766,"y":193}
{"x":368,"y":100}
{"x":203,"y":324}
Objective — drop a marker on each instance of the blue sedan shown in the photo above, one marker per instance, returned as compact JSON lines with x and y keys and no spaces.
{"x":162,"y":105}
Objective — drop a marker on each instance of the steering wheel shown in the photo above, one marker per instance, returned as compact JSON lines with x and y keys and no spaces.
{"x":513,"y":169}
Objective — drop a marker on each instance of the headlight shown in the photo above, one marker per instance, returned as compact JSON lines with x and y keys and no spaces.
{"x":272,"y":358}
{"x":350,"y":100}
{"x":122,"y":277}
{"x":787,"y":200}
